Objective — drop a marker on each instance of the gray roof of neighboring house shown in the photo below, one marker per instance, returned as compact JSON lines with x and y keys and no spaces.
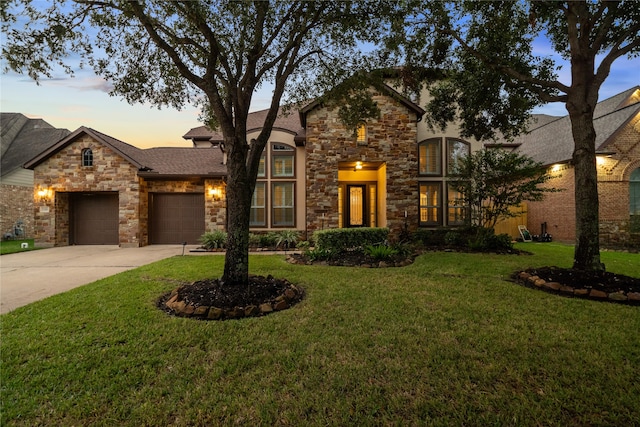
{"x":289,"y":122}
{"x":159,"y":162}
{"x":553,"y":142}
{"x":23,"y":138}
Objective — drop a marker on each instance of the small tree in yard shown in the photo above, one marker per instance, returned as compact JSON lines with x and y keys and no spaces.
{"x":492,"y":181}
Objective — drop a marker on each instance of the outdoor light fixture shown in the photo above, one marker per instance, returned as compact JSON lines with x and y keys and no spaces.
{"x":43,"y":194}
{"x":215,"y":193}
{"x":358,"y":166}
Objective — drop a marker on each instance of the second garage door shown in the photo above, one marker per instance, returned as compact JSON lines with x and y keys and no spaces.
{"x":176,"y":218}
{"x":94,"y":218}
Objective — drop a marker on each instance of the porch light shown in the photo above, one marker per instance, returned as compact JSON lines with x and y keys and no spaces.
{"x":358,"y":166}
{"x":215,"y":193}
{"x":43,"y":193}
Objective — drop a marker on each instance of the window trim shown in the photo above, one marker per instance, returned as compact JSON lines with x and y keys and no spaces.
{"x":284,"y":153}
{"x":273,"y":205}
{"x":86,"y":156}
{"x":438,"y":207}
{"x":439,"y":168}
{"x":264,"y":206}
{"x":450,"y":142}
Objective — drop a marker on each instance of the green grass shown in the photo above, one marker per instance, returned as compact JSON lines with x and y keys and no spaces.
{"x":445,"y":341}
{"x":13,"y":246}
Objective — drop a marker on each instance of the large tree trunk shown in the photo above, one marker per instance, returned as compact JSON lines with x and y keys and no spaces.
{"x":587,"y":249}
{"x":239,"y":193}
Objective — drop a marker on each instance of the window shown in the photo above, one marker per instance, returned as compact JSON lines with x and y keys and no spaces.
{"x":258,"y":209}
{"x":87,"y":157}
{"x":283,"y":160}
{"x":455,"y":207}
{"x":361,"y":134}
{"x":429,"y":158}
{"x":261,"y":167}
{"x":456,"y":151}
{"x":430,"y":203}
{"x":283,"y":207}
{"x":634,"y":200}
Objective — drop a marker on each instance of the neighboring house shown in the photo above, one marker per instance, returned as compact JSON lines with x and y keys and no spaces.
{"x":21,"y":139}
{"x":617,"y":126}
{"x":99,"y":190}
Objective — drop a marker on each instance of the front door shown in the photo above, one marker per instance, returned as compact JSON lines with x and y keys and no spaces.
{"x":356,"y":206}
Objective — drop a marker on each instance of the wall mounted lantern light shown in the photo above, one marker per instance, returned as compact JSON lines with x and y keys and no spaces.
{"x":44,"y":193}
{"x":358,"y":166}
{"x":215,"y":193}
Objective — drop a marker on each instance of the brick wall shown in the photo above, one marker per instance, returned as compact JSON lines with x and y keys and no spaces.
{"x":558,"y":209}
{"x":63,"y":173}
{"x":16,"y":204}
{"x":391,"y":139}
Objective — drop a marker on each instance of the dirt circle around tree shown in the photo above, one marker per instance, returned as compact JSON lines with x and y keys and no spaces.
{"x":598,"y":286}
{"x":210,"y":299}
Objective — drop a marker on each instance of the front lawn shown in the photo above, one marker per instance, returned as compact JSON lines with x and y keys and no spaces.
{"x":445,"y":341}
{"x":13,"y":246}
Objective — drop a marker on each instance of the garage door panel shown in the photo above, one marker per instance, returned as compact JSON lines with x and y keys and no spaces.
{"x":95,"y":219}
{"x":177,"y":218}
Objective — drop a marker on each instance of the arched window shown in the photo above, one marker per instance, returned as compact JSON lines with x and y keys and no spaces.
{"x":634,"y":200}
{"x":87,"y":157}
{"x":429,"y":157}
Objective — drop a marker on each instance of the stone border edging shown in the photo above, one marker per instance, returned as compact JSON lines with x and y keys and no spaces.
{"x":536,"y":282}
{"x":291,"y":295}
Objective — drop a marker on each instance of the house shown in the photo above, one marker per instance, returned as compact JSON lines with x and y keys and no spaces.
{"x":392,"y":171}
{"x":95,"y":189}
{"x":21,"y":139}
{"x":617,"y":126}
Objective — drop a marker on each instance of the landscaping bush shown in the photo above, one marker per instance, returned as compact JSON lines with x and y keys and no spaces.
{"x":380,"y":252}
{"x":268,"y":240}
{"x":486,"y":240}
{"x":287,"y":238}
{"x":213,"y":240}
{"x":349,"y":239}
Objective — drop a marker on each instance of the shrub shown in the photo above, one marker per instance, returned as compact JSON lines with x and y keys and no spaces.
{"x":485,"y":239}
{"x":254,"y":240}
{"x":213,"y":240}
{"x":349,"y":239}
{"x":380,"y":252}
{"x":319,"y":254}
{"x":303,"y":245}
{"x":287,"y":238}
{"x":268,"y":240}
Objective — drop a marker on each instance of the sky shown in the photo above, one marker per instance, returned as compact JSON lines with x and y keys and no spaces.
{"x":66,"y":102}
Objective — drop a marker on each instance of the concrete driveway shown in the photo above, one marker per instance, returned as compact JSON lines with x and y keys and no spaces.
{"x":26,"y":277}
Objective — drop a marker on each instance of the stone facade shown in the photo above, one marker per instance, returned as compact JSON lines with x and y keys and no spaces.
{"x":63,"y":173}
{"x":390,"y":146}
{"x":16,"y":206}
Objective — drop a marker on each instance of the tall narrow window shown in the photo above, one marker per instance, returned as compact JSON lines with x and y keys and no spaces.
{"x":258,"y":209}
{"x":430,"y":207}
{"x":361,"y":134}
{"x":283,"y":161}
{"x":261,"y":167}
{"x":283,"y":207}
{"x":456,"y":151}
{"x":87,"y":157}
{"x":429,"y":157}
{"x":455,"y":207}
{"x":634,"y":200}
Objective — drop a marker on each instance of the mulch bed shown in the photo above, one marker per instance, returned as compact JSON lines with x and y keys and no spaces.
{"x":601,"y":286}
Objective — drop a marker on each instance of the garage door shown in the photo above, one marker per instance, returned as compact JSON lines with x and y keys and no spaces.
{"x":176,"y":218}
{"x":94,"y":219}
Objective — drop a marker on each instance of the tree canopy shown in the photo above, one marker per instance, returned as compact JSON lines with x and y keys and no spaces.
{"x":215,"y":53}
{"x":495,"y":77}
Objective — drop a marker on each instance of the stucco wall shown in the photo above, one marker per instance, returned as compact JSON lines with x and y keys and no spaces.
{"x":391,"y":139}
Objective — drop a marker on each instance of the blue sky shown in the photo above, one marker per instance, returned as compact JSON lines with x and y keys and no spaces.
{"x":83,"y":100}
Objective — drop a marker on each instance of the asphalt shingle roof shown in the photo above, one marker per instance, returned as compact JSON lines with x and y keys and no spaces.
{"x":553,"y":142}
{"x":23,"y":138}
